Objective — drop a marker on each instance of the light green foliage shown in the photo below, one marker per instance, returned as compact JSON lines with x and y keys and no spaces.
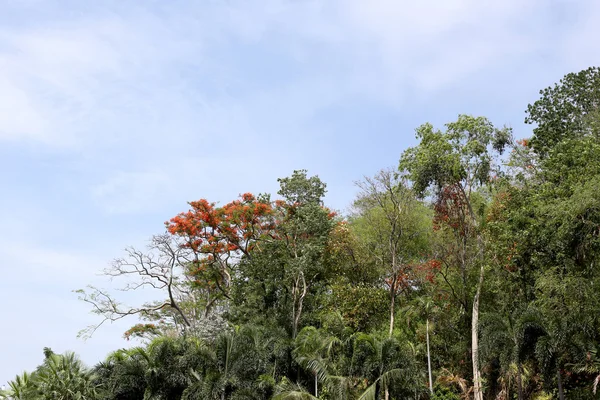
{"x":386,"y":362}
{"x":393,"y":229}
{"x":21,"y":388}
{"x":301,"y":189}
{"x":59,"y":377}
{"x":463,"y":154}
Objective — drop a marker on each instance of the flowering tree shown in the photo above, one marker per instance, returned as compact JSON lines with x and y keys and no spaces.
{"x":219,"y":236}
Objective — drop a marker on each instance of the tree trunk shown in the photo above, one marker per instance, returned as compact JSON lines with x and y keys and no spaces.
{"x":316,"y":386}
{"x":429,"y":360}
{"x":477,"y":390}
{"x":392,"y":310}
{"x":561,"y":394}
{"x":519,"y":380}
{"x":299,"y":299}
{"x":386,"y":394}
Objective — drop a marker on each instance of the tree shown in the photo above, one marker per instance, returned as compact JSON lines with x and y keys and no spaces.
{"x":219,"y":236}
{"x":423,"y":306}
{"x":563,"y":109}
{"x":456,"y":163}
{"x":286,"y":390}
{"x":64,"y":377}
{"x":231,"y":364}
{"x":21,"y":388}
{"x":313,"y":351}
{"x":385,"y":362}
{"x":393,"y":227}
{"x":303,"y":230}
{"x":59,"y":377}
{"x":163,"y":268}
{"x":281,"y":277}
{"x":123,"y":374}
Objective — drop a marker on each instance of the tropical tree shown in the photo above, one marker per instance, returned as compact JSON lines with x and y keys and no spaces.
{"x":456,"y":163}
{"x":392,"y":227}
{"x":563,"y":110}
{"x":282,"y":278}
{"x":21,"y":388}
{"x":64,"y":377}
{"x":313,"y":350}
{"x":386,"y":363}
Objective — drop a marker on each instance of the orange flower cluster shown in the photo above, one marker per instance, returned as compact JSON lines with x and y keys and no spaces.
{"x":217,"y":234}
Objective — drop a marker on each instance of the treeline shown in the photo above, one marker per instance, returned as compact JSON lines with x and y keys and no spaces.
{"x":467,"y":271}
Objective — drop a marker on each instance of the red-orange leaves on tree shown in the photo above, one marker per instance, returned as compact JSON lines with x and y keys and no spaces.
{"x":141,"y":331}
{"x":451,"y":210}
{"x":429,"y":269}
{"x":219,"y":236}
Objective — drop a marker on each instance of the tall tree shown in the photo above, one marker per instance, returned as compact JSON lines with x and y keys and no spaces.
{"x":284,"y":273}
{"x":562,"y":110}
{"x":455,"y":163}
{"x":392,"y":226}
{"x":313,"y":350}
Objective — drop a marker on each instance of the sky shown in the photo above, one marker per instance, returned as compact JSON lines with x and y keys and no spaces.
{"x":115,"y":114}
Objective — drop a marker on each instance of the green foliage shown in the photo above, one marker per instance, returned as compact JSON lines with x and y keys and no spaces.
{"x":59,"y":377}
{"x":361,"y":306}
{"x":444,"y":393}
{"x":300,"y":189}
{"x":562,"y":111}
{"x":460,"y":154}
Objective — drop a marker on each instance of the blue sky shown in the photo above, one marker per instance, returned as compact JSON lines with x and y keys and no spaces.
{"x":114,"y":114}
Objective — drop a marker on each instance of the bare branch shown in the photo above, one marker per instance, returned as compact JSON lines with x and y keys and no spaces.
{"x":163,"y":267}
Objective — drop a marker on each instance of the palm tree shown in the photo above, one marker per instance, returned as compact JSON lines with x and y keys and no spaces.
{"x":424,"y":307}
{"x":231,"y":364}
{"x":505,"y":333}
{"x":122,"y":374}
{"x":313,"y":351}
{"x":286,"y":390}
{"x":166,"y":377}
{"x":384,"y":362}
{"x":22,"y":388}
{"x":590,"y":364}
{"x":64,"y":377}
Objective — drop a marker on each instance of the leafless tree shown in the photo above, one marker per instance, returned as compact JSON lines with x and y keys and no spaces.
{"x":163,"y":267}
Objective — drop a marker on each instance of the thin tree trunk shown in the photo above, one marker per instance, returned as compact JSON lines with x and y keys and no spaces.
{"x":316,"y":386}
{"x":386,"y":394}
{"x":519,"y":380}
{"x":477,"y":390}
{"x":392,"y":310}
{"x":297,"y":312}
{"x":429,"y":360}
{"x":561,"y":394}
